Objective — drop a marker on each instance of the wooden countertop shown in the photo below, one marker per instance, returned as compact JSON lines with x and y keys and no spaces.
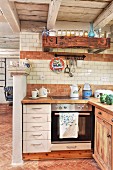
{"x":27,"y":100}
{"x":102,"y":106}
{"x":93,"y":101}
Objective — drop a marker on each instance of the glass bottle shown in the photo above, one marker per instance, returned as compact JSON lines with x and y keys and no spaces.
{"x":91,"y":32}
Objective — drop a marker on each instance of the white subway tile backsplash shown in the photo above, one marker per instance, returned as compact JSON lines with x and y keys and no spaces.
{"x":28,"y":36}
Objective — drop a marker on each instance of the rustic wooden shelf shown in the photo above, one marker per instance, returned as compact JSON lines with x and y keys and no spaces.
{"x":92,"y":44}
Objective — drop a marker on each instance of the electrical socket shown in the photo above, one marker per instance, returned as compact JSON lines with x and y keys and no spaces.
{"x":104,"y":78}
{"x":42,"y":77}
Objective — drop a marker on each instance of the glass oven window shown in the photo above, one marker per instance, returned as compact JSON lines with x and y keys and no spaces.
{"x":84,"y":133}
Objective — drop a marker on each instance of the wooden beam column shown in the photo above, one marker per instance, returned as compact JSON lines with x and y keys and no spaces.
{"x":105,"y":17}
{"x":33,"y":1}
{"x":53,"y":12}
{"x":10,"y":14}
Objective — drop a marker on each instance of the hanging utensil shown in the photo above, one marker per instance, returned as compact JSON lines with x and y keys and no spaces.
{"x":71,"y":67}
{"x":67,"y":69}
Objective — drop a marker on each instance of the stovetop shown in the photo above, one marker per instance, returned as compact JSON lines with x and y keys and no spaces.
{"x":66,"y":97}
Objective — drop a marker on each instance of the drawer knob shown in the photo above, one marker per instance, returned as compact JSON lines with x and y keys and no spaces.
{"x":36,"y":126}
{"x":71,"y":147}
{"x":100,"y":113}
{"x":36,"y":108}
{"x":36,"y":144}
{"x":37,"y":117}
{"x":108,"y":135}
{"x":37,"y":135}
{"x":112,"y":119}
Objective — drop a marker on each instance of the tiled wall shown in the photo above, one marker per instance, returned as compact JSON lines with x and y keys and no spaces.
{"x":30,"y":41}
{"x":92,"y":72}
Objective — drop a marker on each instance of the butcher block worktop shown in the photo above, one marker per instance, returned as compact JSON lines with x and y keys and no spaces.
{"x":93,"y":101}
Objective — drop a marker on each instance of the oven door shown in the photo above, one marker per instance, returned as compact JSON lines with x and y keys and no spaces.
{"x":84,"y":133}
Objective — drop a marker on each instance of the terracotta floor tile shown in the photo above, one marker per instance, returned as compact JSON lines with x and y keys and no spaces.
{"x":6,"y":151}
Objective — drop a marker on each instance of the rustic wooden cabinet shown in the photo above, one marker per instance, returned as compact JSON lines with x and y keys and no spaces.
{"x":92,"y":44}
{"x":103,"y":148}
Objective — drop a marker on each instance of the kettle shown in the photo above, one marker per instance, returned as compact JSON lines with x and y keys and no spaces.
{"x":74,"y":91}
{"x":43,"y":92}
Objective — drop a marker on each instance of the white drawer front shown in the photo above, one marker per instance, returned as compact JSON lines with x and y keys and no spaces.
{"x":35,"y":135}
{"x":24,"y":147}
{"x":38,"y":108}
{"x":36,"y":146}
{"x":49,"y":135}
{"x":71,"y":146}
{"x":35,"y":118}
{"x":24,"y":109}
{"x":36,"y":126}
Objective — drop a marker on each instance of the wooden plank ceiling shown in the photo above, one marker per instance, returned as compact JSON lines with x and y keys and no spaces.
{"x":82,"y":11}
{"x":32,"y":12}
{"x":73,"y":11}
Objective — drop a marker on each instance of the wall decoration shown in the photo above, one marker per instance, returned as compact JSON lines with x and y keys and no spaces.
{"x":57,"y":64}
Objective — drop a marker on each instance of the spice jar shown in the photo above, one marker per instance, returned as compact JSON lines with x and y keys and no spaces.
{"x":81,"y":33}
{"x":76,"y":32}
{"x":72,"y":32}
{"x":59,"y":33}
{"x":85,"y":34}
{"x":63,"y":32}
{"x":68,"y":32}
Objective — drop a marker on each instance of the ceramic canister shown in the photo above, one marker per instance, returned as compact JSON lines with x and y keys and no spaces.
{"x":86,"y":94}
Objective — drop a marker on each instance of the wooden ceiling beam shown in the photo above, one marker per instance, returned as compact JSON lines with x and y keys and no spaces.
{"x":10,"y":14}
{"x":105,"y":17}
{"x":33,"y":1}
{"x":53,"y":12}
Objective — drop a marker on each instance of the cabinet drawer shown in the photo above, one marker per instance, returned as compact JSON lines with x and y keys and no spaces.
{"x":36,"y":146}
{"x":35,"y":135}
{"x":37,"y":108}
{"x":72,"y":146}
{"x":35,"y":118}
{"x":36,"y":126}
{"x":102,"y":114}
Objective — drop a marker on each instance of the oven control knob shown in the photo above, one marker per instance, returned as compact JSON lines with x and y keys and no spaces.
{"x":78,"y":106}
{"x":60,"y":107}
{"x":65,"y":107}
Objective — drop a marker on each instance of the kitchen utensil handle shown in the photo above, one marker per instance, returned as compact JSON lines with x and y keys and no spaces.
{"x":48,"y":91}
{"x":108,"y":135}
{"x":37,"y":108}
{"x":79,"y":87}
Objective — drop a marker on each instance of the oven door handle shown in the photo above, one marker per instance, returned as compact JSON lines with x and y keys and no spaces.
{"x":84,"y":114}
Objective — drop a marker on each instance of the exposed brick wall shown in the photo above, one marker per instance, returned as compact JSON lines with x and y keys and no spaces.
{"x":48,"y":56}
{"x":63,"y":89}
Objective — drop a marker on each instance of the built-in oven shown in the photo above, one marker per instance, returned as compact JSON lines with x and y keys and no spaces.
{"x":85,"y":127}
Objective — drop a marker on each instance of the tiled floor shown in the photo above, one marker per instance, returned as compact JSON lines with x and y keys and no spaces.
{"x":6,"y":149}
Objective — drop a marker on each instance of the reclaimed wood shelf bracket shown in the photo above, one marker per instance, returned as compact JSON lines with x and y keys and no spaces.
{"x":94,"y":45}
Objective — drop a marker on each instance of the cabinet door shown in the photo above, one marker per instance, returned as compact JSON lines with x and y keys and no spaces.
{"x":102,"y":151}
